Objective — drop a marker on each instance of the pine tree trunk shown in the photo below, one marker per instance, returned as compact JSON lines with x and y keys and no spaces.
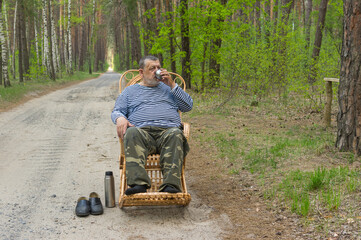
{"x":186,"y":61}
{"x":65,"y":43}
{"x":135,"y":41}
{"x":25,"y":53}
{"x":70,"y":64}
{"x":349,"y":91}
{"x":20,"y":48}
{"x":14,"y":39}
{"x":83,"y":45}
{"x":318,"y":41}
{"x":51,"y":46}
{"x":147,"y":29}
{"x":127,"y":43}
{"x":90,"y":45}
{"x":170,"y":19}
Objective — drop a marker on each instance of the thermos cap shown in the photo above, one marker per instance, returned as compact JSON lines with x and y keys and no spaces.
{"x":108,"y":173}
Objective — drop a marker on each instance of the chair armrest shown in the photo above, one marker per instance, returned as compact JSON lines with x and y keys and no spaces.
{"x":186,"y":130}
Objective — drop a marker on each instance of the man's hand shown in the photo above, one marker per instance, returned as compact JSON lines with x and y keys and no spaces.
{"x":122,"y":125}
{"x":167,"y":79}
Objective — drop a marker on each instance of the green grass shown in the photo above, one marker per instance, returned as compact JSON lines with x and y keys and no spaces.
{"x":304,"y":191}
{"x":275,"y":149}
{"x":18,"y":91}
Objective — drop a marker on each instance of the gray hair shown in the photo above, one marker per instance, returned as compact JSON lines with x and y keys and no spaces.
{"x":144,"y":59}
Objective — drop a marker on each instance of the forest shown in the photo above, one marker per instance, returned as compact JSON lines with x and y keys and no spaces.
{"x":260,"y":47}
{"x":264,"y":46}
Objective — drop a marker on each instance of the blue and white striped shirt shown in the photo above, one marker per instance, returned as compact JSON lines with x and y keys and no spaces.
{"x":152,"y":106}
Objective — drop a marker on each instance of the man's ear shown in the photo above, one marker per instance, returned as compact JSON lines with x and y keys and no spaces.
{"x":141,"y":71}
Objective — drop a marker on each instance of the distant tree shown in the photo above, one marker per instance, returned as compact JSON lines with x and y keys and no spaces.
{"x":69,"y":44}
{"x":308,"y":11}
{"x":349,"y":91}
{"x":318,"y":41}
{"x":186,"y":58}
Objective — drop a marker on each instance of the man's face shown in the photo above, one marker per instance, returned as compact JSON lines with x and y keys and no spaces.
{"x":149,"y":72}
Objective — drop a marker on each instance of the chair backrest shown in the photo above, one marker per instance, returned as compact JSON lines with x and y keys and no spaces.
{"x":132,"y":76}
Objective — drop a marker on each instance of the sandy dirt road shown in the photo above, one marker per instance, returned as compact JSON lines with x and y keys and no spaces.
{"x":56,"y":148}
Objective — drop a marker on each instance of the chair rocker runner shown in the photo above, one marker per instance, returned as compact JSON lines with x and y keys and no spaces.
{"x":152,"y":197}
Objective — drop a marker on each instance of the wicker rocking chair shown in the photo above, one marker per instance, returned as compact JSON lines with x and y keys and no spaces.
{"x":152,"y":197}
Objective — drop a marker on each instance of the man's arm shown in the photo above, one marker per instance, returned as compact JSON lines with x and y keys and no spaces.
{"x":119,"y":114}
{"x":183,"y":100}
{"x":122,"y":126}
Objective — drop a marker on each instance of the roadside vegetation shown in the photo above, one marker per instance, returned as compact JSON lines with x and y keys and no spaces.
{"x":21,"y":91}
{"x":283,"y":144}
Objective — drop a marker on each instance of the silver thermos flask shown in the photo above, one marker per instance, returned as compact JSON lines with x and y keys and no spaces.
{"x":109,"y":189}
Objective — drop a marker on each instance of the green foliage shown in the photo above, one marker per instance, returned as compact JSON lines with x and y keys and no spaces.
{"x":274,"y":58}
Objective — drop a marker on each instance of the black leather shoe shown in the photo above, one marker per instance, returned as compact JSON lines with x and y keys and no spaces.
{"x":96,"y":207}
{"x":136,"y":189}
{"x":170,"y":189}
{"x":82,"y":208}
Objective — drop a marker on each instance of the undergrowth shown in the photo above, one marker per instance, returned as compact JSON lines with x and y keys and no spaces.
{"x":18,"y":91}
{"x":283,"y":144}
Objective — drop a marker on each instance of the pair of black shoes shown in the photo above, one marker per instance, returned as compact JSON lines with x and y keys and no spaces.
{"x":92,"y":206}
{"x":143,"y":188}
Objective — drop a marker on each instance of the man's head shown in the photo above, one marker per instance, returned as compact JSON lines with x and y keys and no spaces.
{"x":147,"y":67}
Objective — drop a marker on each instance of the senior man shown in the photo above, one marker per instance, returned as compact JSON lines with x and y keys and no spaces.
{"x":147,"y":119}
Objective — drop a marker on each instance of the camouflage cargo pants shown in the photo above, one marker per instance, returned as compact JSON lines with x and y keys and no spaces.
{"x":170,"y":143}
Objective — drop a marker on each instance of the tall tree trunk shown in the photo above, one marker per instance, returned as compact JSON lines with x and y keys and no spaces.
{"x":4,"y":50}
{"x":186,"y":60}
{"x":51,"y":45}
{"x":215,"y":46}
{"x":83,"y":39}
{"x":170,"y":19}
{"x":135,"y":41}
{"x":318,"y":41}
{"x":20,"y":48}
{"x":147,"y":29}
{"x":36,"y":43}
{"x":54,"y":39}
{"x":8,"y":39}
{"x":349,"y":91}
{"x":308,"y":21}
{"x":65,"y":48}
{"x":70,"y":62}
{"x":127,"y":44}
{"x":24,"y":43}
{"x":61,"y":34}
{"x":14,"y":39}
{"x":281,"y":42}
{"x":46,"y":55}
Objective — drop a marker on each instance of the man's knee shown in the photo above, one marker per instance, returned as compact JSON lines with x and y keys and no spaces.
{"x":175,"y":132}
{"x":132,"y":132}
{"x":174,"y":136}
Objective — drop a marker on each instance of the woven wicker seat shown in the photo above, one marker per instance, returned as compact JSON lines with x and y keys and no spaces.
{"x":152,"y":197}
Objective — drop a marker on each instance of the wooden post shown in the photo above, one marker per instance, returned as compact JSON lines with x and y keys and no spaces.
{"x":327,"y":116}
